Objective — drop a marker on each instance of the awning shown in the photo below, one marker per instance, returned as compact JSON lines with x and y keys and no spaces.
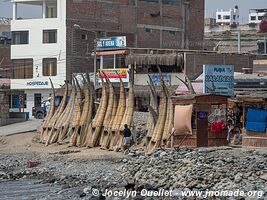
{"x":155,"y":59}
{"x":106,"y":53}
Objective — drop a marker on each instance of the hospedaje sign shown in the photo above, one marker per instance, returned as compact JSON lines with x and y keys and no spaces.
{"x":114,"y":75}
{"x":218,"y":79}
{"x":37,"y":83}
{"x":111,"y":42}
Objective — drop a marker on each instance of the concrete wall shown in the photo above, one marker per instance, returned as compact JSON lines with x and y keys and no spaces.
{"x":194,"y":62}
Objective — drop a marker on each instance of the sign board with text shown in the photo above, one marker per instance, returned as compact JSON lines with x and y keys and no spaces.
{"x":218,"y":79}
{"x":111,"y":42}
{"x":114,"y":75}
{"x":156,"y":79}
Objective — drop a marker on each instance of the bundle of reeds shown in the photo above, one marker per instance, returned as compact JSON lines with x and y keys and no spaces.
{"x":97,"y":123}
{"x":76,"y":116}
{"x":50,"y":113}
{"x":108,"y":116}
{"x":85,"y":111}
{"x":63,"y":125}
{"x":53,"y":134}
{"x":118,"y":118}
{"x":128,"y":116}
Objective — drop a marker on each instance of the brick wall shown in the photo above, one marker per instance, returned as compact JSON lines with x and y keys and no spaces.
{"x":4,"y":108}
{"x":6,"y":63}
{"x":124,"y":17}
{"x":194,"y":62}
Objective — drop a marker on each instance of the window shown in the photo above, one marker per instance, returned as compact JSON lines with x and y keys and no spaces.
{"x":20,"y":37}
{"x":260,"y":17}
{"x":148,"y":30}
{"x":51,"y":9}
{"x":226,"y":17}
{"x":22,"y":68}
{"x":153,"y":1}
{"x":253,"y":18}
{"x":49,"y":67}
{"x":108,"y":62}
{"x":49,"y":36}
{"x":120,"y":61}
{"x":219,"y":16}
{"x":234,"y":16}
{"x":37,"y":99}
{"x":172,"y":2}
{"x":84,"y":36}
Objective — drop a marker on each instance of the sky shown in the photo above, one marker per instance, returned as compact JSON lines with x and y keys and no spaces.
{"x":210,"y":7}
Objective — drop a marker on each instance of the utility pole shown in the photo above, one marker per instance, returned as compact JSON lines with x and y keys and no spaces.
{"x":238,"y":41}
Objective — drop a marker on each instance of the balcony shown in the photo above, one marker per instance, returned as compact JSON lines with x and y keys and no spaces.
{"x":38,"y":9}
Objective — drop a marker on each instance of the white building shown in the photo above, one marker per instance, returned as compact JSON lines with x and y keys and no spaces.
{"x":227,"y":17}
{"x":256,"y":15}
{"x":38,"y":49}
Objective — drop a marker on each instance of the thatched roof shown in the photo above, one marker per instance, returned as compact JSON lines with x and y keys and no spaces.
{"x":154,"y":59}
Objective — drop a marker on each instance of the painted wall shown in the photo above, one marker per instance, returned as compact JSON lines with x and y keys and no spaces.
{"x":37,"y":50}
{"x":142,"y":79}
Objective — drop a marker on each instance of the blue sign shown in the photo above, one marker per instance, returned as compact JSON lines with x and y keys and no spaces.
{"x":111,"y":42}
{"x":156,"y":79}
{"x":218,"y":79}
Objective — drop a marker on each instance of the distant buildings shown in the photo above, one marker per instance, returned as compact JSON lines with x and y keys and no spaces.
{"x":227,"y":17}
{"x":256,"y":15}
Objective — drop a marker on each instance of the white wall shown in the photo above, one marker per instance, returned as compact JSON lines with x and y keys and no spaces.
{"x":30,"y":98}
{"x":37,"y":50}
{"x":257,"y":15}
{"x":231,"y":13}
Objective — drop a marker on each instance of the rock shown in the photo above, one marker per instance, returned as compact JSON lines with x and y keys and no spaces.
{"x":238,"y":178}
{"x":87,"y":190}
{"x":264,"y":177}
{"x":80,"y":193}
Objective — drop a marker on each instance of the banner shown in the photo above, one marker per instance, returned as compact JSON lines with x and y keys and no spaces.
{"x":111,"y":42}
{"x":218,"y":79}
{"x":156,"y":79}
{"x":114,"y":75}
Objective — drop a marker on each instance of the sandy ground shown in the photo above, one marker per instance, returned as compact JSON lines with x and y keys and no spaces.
{"x":26,"y":143}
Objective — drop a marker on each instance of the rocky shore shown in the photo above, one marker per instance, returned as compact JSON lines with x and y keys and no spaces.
{"x":212,"y":169}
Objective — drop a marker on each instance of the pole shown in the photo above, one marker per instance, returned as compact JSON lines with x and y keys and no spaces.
{"x":95,"y":60}
{"x":265,"y":48}
{"x":161,"y":24}
{"x":238,"y":42}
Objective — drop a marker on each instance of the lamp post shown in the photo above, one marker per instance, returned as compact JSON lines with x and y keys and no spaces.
{"x":77,"y":26}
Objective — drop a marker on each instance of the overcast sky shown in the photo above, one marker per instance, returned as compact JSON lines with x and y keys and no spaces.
{"x":210,"y":8}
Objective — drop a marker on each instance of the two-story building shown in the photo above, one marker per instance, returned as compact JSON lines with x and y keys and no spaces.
{"x":227,"y":17}
{"x":256,"y":15}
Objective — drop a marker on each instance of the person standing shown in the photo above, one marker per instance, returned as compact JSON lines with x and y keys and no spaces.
{"x":127,"y":137}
